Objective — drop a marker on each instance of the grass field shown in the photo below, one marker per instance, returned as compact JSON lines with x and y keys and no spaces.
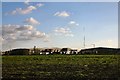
{"x":61,"y":67}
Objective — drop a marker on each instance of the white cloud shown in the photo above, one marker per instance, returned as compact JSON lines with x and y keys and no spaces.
{"x":38,"y":34}
{"x":32,"y":21}
{"x":21,"y":33}
{"x":63,"y":31}
{"x":25,"y":27}
{"x":39,"y":5}
{"x":62,"y":14}
{"x":27,"y":10}
{"x":66,"y":30}
{"x":73,"y":23}
{"x":12,"y":29}
{"x":27,"y":2}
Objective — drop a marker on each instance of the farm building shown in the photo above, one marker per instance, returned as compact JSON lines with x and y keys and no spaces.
{"x":65,"y":51}
{"x":99,"y":50}
{"x":73,"y":51}
{"x":36,"y":51}
{"x":56,"y":50}
{"x":46,"y":51}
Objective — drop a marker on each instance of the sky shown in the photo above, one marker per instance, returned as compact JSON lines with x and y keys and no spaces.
{"x":119,"y":25}
{"x":61,"y":0}
{"x":59,"y":24}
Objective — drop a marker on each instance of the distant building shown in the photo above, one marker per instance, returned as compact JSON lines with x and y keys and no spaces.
{"x":65,"y":51}
{"x":56,"y":51}
{"x":46,"y":51}
{"x":74,"y":51}
{"x":99,"y":50}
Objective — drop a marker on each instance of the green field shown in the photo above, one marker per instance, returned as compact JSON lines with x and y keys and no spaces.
{"x":61,"y":67}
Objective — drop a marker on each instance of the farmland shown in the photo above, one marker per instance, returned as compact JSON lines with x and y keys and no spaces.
{"x":61,"y":67}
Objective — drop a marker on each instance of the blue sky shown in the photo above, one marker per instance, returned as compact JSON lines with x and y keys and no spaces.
{"x":59,"y":24}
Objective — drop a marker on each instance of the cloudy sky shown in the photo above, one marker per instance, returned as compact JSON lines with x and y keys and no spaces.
{"x":59,"y":24}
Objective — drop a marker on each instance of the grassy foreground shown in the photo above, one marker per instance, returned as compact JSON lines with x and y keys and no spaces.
{"x":61,"y":67}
